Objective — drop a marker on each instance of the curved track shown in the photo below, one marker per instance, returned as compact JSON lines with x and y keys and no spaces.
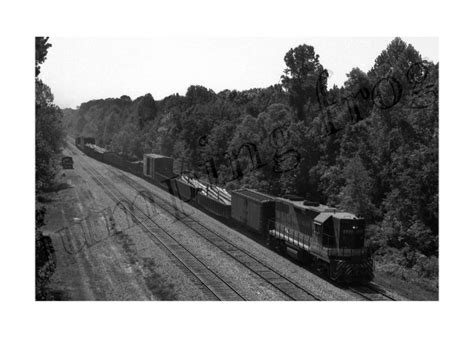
{"x":212,"y":285}
{"x":286,"y":286}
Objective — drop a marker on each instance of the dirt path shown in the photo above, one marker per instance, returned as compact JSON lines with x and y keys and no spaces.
{"x":94,"y":263}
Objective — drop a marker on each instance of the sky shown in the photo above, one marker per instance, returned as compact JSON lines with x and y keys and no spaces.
{"x":82,"y":69}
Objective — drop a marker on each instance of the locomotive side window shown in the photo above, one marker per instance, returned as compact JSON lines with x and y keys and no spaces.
{"x":329,"y":240}
{"x":317,"y":232}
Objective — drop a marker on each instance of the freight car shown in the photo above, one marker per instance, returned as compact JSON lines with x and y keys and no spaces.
{"x":115,"y":160}
{"x":94,"y":151}
{"x":81,"y":141}
{"x":135,"y":167}
{"x":331,"y":240}
{"x":253,"y":210}
{"x":218,"y":208}
{"x":212,"y":199}
{"x":159,"y":169}
{"x":157,"y":164}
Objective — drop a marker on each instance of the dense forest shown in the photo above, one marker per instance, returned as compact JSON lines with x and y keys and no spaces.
{"x":50,"y":134}
{"x":369,"y":147}
{"x":49,"y":142}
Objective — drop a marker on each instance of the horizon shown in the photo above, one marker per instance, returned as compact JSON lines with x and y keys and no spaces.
{"x":215,"y":63}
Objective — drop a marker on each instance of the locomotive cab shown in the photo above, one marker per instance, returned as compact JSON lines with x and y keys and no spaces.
{"x":351,"y":235}
{"x":341,"y":235}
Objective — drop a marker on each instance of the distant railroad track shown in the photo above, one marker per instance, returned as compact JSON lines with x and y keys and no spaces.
{"x":207,"y":280}
{"x":290,"y":288}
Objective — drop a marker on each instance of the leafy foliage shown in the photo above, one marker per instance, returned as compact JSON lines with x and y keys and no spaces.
{"x":41,"y":50}
{"x":49,"y":129}
{"x":45,"y":257}
{"x":303,"y":77}
{"x":49,"y":138}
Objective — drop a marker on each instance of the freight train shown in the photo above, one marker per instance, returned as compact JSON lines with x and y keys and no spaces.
{"x":330,"y":240}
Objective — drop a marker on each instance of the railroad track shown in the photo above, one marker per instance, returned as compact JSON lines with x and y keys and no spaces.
{"x":371,"y":292}
{"x":208,"y":281}
{"x":289,"y":288}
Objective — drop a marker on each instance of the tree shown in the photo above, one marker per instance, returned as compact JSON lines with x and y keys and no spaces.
{"x":41,"y":50}
{"x":301,"y":77}
{"x":49,"y":129}
{"x":357,"y":95}
{"x":146,"y":110}
{"x":45,"y":257}
{"x":355,"y":195}
{"x":199,"y":94}
{"x":48,"y":143}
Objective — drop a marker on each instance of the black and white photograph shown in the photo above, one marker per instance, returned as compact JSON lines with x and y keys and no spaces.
{"x":315,"y":177}
{"x":236,"y":169}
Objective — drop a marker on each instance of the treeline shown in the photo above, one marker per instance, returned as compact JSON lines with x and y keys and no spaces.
{"x":369,"y":147}
{"x":49,"y":141}
{"x":49,"y":138}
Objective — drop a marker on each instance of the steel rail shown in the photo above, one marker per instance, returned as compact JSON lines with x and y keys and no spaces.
{"x":286,"y":286}
{"x":214,"y":285}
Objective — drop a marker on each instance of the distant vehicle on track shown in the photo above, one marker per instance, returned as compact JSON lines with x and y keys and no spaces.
{"x":330,"y":240}
{"x":67,"y":162}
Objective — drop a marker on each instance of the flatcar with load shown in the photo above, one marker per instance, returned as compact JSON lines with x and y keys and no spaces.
{"x":81,"y":141}
{"x":211,"y":198}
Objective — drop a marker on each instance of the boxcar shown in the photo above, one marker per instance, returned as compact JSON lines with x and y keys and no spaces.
{"x":157,"y":164}
{"x":253,"y":209}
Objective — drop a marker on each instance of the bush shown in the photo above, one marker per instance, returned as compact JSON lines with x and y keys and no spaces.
{"x":45,"y":257}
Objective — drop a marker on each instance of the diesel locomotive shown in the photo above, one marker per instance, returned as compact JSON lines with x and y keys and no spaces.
{"x":330,"y":240}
